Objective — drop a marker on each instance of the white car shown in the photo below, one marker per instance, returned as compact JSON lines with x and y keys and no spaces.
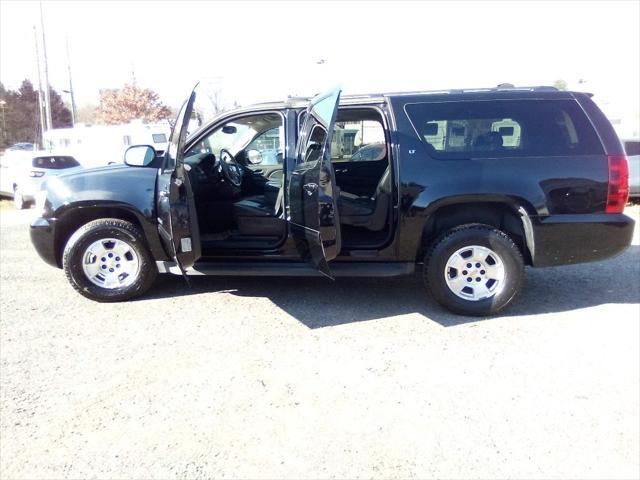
{"x":632,"y":147}
{"x":22,"y":172}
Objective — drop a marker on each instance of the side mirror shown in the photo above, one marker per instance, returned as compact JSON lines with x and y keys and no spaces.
{"x":139,"y":155}
{"x":254,"y":156}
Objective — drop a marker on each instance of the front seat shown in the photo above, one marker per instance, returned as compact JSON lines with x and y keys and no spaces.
{"x":367,"y":212}
{"x":259,"y":214}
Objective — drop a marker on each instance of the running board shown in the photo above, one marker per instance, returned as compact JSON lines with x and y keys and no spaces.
{"x":291,"y":269}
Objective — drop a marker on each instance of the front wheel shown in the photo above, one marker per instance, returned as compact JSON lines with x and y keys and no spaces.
{"x":474,"y":270}
{"x":107,"y":260}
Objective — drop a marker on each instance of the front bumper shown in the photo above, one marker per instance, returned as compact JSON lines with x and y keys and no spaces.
{"x":42,"y":232}
{"x":570,"y":239}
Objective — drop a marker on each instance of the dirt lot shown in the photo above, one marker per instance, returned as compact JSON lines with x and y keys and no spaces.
{"x":301,"y":378}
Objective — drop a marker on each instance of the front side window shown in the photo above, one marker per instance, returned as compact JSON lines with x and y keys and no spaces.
{"x":315,"y":144}
{"x":262,"y":132}
{"x":503,"y":128}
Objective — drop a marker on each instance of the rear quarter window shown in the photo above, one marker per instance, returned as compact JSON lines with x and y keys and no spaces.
{"x":503,"y":128}
{"x":56,"y":162}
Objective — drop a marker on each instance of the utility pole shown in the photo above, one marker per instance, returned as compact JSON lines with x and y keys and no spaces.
{"x":40,"y":109}
{"x":73,"y":102}
{"x":47,"y":96}
{"x":3,"y":105}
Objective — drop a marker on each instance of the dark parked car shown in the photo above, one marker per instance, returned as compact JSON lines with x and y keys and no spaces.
{"x":472,"y":184}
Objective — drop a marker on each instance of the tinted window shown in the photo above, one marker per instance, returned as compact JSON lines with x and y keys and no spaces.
{"x":632,"y":148}
{"x":315,"y":144}
{"x":503,"y":128}
{"x":55,"y":162}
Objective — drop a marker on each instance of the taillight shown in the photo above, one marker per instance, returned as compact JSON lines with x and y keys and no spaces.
{"x":36,"y":174}
{"x":618,"y":192}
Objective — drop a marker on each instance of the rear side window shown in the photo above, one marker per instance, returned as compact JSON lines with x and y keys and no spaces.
{"x":55,"y":162}
{"x":503,"y":128}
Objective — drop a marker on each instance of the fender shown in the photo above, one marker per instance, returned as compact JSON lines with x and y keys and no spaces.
{"x":73,"y":215}
{"x":121,"y":191}
{"x":423,"y":209}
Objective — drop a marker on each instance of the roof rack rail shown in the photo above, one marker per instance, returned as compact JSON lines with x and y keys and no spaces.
{"x":534,"y":88}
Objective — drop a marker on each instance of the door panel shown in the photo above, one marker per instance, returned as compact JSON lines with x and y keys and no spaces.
{"x":313,"y":214}
{"x":177,"y":219}
{"x":359,"y":178}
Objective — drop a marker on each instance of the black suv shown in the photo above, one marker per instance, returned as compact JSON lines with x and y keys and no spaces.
{"x":472,"y":184}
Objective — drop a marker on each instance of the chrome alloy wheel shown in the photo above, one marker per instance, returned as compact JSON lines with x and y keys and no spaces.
{"x":475,"y":273}
{"x":110,"y":263}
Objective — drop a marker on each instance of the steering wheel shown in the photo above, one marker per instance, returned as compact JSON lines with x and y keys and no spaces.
{"x":230,"y":167}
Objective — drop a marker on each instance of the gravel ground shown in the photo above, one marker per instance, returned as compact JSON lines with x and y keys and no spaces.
{"x":303,"y":378}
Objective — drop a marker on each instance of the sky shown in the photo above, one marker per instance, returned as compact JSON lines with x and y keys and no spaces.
{"x":268,"y":50}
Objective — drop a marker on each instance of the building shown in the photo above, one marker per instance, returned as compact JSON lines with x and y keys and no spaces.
{"x":96,"y":145}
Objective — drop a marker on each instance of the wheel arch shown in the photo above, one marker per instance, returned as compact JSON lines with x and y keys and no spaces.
{"x":75,"y":216}
{"x":505,"y":213}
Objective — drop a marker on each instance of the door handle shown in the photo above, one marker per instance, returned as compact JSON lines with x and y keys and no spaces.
{"x":310,"y":188}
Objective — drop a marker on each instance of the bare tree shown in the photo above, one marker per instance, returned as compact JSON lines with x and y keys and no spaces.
{"x":129,"y":103}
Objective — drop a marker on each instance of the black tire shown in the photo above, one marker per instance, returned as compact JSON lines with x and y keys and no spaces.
{"x":102,"y":229}
{"x":481,"y":235}
{"x":18,"y":199}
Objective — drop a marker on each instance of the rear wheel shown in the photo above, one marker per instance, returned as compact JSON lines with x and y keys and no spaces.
{"x":108,"y":260}
{"x":18,"y":199}
{"x":474,"y":270}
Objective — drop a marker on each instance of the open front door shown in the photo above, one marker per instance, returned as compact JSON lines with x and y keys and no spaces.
{"x":313,"y":206}
{"x":177,"y":219}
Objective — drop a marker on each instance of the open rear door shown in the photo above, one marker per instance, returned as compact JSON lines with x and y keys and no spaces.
{"x":177,"y":219}
{"x":312,"y":193}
